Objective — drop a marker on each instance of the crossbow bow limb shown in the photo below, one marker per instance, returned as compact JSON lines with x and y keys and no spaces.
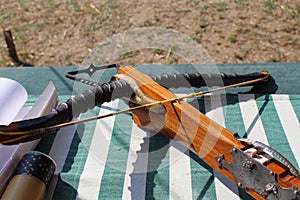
{"x":249,"y":164}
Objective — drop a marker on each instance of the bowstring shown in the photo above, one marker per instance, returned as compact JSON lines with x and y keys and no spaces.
{"x":178,"y":99}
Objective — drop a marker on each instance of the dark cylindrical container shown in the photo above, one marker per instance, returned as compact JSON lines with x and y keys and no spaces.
{"x":31,"y":177}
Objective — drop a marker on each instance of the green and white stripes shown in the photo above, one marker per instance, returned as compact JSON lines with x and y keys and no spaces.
{"x":114,"y":159}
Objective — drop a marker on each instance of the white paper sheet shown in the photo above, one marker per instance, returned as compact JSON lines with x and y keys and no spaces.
{"x":12,"y":98}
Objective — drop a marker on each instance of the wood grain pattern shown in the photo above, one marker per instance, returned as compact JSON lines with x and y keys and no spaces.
{"x":186,"y":125}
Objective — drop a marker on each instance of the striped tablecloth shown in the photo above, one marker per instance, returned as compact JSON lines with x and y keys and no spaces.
{"x":112,"y":158}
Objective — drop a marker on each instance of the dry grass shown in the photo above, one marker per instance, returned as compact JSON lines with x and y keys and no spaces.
{"x":60,"y":33}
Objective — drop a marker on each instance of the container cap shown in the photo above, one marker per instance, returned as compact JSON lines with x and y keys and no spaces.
{"x":37,"y":164}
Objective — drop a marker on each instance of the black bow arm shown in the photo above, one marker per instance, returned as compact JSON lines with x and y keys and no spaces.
{"x":201,"y":80}
{"x":115,"y":89}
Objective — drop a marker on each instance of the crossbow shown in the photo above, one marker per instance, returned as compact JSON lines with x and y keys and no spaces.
{"x":255,"y":167}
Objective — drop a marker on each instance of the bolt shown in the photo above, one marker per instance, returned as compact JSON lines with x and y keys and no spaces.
{"x":219,"y":159}
{"x":248,"y":164}
{"x":271,"y":188}
{"x":233,"y":150}
{"x":240,"y":184}
{"x":275,"y":191}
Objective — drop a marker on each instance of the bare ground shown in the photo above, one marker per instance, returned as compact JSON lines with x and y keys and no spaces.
{"x":61,"y":33}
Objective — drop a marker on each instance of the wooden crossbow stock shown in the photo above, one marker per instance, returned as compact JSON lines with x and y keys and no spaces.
{"x":257,"y":168}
